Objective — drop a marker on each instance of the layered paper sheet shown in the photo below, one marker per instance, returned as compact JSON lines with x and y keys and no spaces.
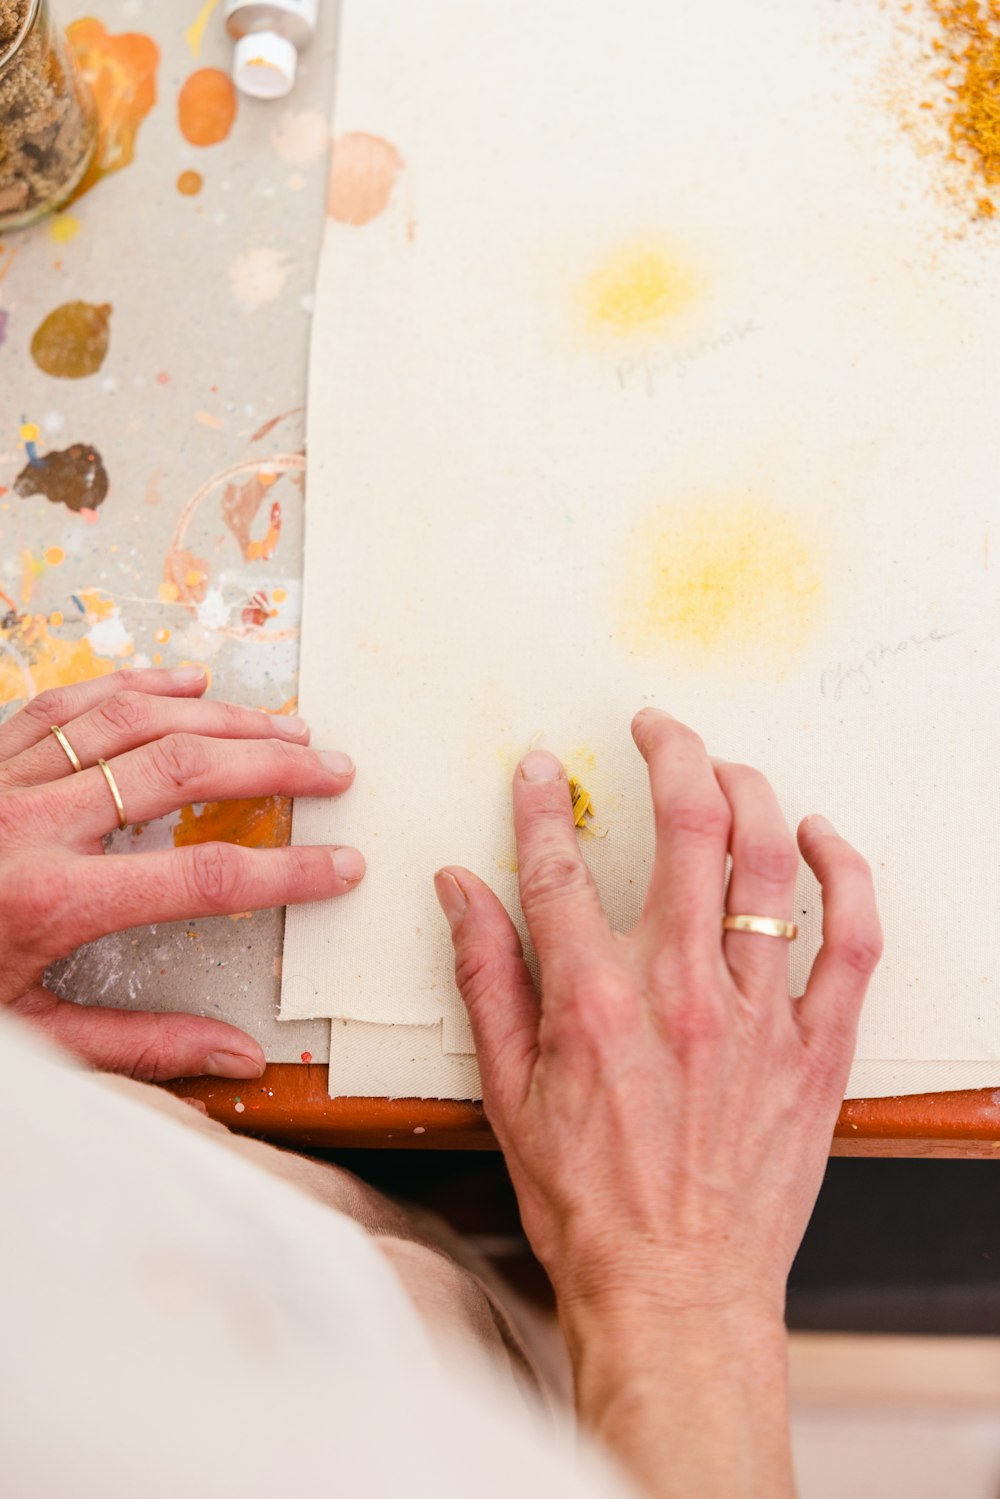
{"x":649,"y":366}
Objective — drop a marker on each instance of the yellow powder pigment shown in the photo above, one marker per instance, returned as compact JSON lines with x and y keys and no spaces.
{"x":639,"y":289}
{"x":969,"y":44}
{"x":583,"y":807}
{"x":726,"y":580}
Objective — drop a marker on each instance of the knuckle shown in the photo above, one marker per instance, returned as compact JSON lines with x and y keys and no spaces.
{"x":703,"y":817}
{"x":697,"y":1025}
{"x":555,"y":876}
{"x":860,"y":948}
{"x":49,"y":707}
{"x":774,"y":861}
{"x":180,"y":760}
{"x":217,"y":875}
{"x":128,"y":712}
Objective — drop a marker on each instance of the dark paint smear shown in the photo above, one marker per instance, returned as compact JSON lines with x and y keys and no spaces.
{"x":74,"y":477}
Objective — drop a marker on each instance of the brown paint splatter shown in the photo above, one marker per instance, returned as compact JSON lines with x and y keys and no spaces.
{"x":190,"y":184}
{"x":206,"y":107}
{"x":74,"y":477}
{"x":240,"y":503}
{"x":263,"y":822}
{"x":363,"y":172}
{"x":121,"y":72}
{"x":72,"y":341}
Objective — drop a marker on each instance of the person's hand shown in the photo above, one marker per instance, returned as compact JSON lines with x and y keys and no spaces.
{"x":664,"y":1106}
{"x":165,"y":748}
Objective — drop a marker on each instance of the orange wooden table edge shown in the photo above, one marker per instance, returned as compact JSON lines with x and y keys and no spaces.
{"x":289,"y":1105}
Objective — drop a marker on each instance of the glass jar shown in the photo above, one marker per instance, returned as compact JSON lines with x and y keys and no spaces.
{"x":48,"y":123}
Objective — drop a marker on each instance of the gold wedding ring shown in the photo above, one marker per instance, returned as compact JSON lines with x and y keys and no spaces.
{"x":766,"y":926}
{"x":71,"y":754}
{"x":105,"y":770}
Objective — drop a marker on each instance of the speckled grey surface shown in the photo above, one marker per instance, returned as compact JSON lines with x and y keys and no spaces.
{"x":211,"y":298}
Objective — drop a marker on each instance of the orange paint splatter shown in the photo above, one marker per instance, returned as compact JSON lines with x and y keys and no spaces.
{"x":55,"y":555}
{"x":185,"y":577}
{"x":121,"y":72}
{"x":262,"y":822}
{"x":190,"y":184}
{"x":363,"y":172}
{"x":240,"y":504}
{"x":206,"y":107}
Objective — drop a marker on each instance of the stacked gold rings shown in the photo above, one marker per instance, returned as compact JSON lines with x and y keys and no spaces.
{"x":102,"y":766}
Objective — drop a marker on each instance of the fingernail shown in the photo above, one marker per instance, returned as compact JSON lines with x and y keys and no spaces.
{"x":188,"y":674}
{"x":349,"y":864}
{"x":230,"y":1064}
{"x":451,"y":897}
{"x":820,"y":824}
{"x":340,"y":764}
{"x":539,"y":765}
{"x":292,"y":727}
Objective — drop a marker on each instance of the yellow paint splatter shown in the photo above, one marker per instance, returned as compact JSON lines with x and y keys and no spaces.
{"x":639,"y":289}
{"x":161,"y":637}
{"x":63,"y":227}
{"x":195,"y":33}
{"x":54,"y":555}
{"x":725,"y":578}
{"x":279,"y":595}
{"x":55,"y":619}
{"x":583,"y":807}
{"x":33,"y":659}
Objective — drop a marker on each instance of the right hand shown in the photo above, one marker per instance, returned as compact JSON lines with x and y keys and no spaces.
{"x":664,"y":1106}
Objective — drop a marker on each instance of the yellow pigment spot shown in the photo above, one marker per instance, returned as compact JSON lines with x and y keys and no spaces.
{"x":730,"y":579}
{"x":638,"y":289}
{"x":168,"y":592}
{"x":29,"y":432}
{"x":161,"y":637}
{"x":55,"y":619}
{"x":279,"y":595}
{"x":55,"y":555}
{"x":63,"y":227}
{"x":583,"y":807}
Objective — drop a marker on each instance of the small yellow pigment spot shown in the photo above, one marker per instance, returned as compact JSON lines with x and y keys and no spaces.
{"x":29,"y":432}
{"x":193,"y":577}
{"x":279,"y":595}
{"x":734,"y":579}
{"x":55,"y":555}
{"x":161,"y":637}
{"x":55,"y":619}
{"x":639,"y":289}
{"x":168,"y":592}
{"x":583,"y":807}
{"x":63,"y":227}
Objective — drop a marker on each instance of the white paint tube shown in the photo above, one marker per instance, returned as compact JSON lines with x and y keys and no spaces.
{"x":269,"y":36}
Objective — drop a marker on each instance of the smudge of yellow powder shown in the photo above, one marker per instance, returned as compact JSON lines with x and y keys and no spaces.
{"x":639,"y":289}
{"x":723,"y":579}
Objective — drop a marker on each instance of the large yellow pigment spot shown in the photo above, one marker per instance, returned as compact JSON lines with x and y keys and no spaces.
{"x":731,"y":579}
{"x":638,"y":289}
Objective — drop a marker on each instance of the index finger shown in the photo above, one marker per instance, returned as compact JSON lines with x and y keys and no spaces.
{"x":558,"y":896}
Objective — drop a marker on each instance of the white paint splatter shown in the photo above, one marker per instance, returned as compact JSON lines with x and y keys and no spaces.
{"x":258,"y":276}
{"x":53,"y":422}
{"x":213,"y":611}
{"x":109,"y":637}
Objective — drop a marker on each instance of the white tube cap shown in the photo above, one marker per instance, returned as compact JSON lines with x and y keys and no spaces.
{"x":264,"y":65}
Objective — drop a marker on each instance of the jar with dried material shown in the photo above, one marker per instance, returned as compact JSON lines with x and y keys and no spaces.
{"x":48,"y":124}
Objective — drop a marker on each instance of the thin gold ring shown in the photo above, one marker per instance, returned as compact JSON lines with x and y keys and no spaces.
{"x":105,"y":769}
{"x":71,"y":754}
{"x":766,"y":926}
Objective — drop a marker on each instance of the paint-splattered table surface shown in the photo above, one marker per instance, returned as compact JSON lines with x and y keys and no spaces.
{"x":153,"y":351}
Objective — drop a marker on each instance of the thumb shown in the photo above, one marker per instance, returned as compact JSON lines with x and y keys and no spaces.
{"x":495,"y":984}
{"x":151,"y":1047}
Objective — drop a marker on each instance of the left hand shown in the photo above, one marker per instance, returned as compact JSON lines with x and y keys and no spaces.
{"x":165,"y":748}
